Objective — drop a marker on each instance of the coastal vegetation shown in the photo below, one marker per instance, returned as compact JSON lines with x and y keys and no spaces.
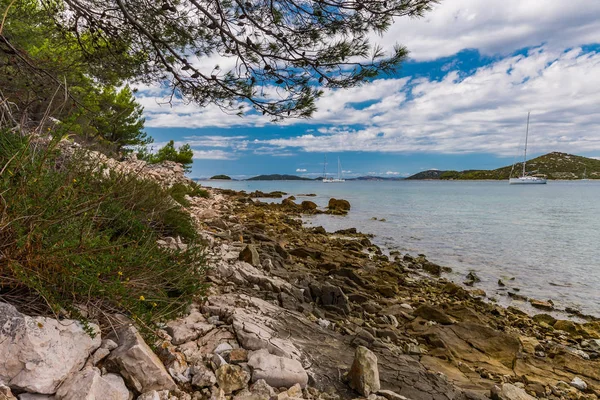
{"x":555,"y":165}
{"x":222,"y":177}
{"x":74,"y":235}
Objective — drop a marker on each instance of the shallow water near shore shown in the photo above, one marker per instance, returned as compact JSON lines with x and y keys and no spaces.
{"x":541,"y":240}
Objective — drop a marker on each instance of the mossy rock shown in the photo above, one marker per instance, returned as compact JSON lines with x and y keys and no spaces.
{"x":308,"y":205}
{"x":339,"y":205}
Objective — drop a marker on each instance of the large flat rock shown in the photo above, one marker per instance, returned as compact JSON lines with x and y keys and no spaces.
{"x":39,"y":353}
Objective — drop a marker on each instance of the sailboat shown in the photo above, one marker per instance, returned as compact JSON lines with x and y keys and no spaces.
{"x":339,"y":174}
{"x":584,"y":178}
{"x":524,"y":178}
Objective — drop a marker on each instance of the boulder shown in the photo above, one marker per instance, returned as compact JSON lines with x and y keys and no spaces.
{"x":231,"y":378}
{"x":544,"y":305}
{"x":202,"y":376}
{"x":567,"y":326}
{"x":433,"y":314}
{"x":250,"y":255}
{"x":89,"y":384}
{"x":136,"y":362}
{"x":510,"y":392}
{"x":307,"y":205}
{"x":289,"y":202}
{"x":39,"y":353}
{"x":276,"y":371}
{"x":334,"y":296}
{"x":339,"y":205}
{"x":433,"y":269}
{"x":364,"y":374}
{"x":259,"y":390}
{"x":545,"y":318}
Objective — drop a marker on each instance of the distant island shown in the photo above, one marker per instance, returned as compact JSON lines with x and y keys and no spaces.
{"x":554,"y":165}
{"x":278,"y":177}
{"x":221,"y":177}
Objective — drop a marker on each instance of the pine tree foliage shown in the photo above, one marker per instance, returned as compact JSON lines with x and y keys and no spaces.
{"x":283,"y":52}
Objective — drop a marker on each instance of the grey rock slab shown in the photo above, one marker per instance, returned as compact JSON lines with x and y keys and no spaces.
{"x":36,"y":396}
{"x":136,"y":362}
{"x":89,"y":384}
{"x":39,"y":353}
{"x":276,"y":371}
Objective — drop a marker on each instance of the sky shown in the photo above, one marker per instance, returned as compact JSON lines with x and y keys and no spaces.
{"x":460,"y":102}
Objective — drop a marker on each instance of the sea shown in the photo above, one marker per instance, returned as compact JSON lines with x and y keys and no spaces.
{"x":542,"y":241}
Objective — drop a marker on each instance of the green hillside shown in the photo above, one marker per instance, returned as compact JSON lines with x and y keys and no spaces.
{"x":427,"y":175}
{"x":554,"y":165}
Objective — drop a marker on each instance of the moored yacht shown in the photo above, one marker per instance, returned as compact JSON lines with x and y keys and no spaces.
{"x":524,"y":178}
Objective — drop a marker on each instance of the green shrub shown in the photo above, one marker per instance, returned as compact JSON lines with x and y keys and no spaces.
{"x":179,"y":190}
{"x":72,"y":234}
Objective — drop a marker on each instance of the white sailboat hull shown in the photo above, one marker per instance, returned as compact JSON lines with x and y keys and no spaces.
{"x":333,"y":180}
{"x":527,"y":180}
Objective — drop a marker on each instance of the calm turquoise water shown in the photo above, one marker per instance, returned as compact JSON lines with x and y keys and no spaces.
{"x":546,"y":237}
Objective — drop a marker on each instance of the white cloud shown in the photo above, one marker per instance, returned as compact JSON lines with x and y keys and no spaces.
{"x":392,"y":173}
{"x":496,"y":27}
{"x":213,"y":155}
{"x":483,"y":112}
{"x":300,"y":169}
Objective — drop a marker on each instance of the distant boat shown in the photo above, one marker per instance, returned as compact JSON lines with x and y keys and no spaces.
{"x":525,"y":179}
{"x":339,"y":174}
{"x":584,"y":178}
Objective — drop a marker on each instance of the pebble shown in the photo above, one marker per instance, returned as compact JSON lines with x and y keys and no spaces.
{"x":223,"y":347}
{"x":579,"y":383}
{"x":323,"y":323}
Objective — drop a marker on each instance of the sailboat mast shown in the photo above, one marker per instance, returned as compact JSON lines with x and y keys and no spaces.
{"x":339,"y":169}
{"x":526,"y":136}
{"x":325,"y":168}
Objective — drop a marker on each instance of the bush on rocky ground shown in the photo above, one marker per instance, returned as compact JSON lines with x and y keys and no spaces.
{"x":74,"y":234}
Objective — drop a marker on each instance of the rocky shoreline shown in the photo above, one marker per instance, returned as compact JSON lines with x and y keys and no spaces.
{"x":297,"y":312}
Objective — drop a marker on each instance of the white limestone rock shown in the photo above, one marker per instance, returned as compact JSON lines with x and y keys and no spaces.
{"x":89,"y":384}
{"x":40,"y":353}
{"x":579,"y":384}
{"x":136,"y":362}
{"x":276,"y":371}
{"x":510,"y":392}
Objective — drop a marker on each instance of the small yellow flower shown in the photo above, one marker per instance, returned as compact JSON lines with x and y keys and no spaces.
{"x":74,"y":180}
{"x":142,"y":298}
{"x":120,"y":273}
{"x":154,"y":304}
